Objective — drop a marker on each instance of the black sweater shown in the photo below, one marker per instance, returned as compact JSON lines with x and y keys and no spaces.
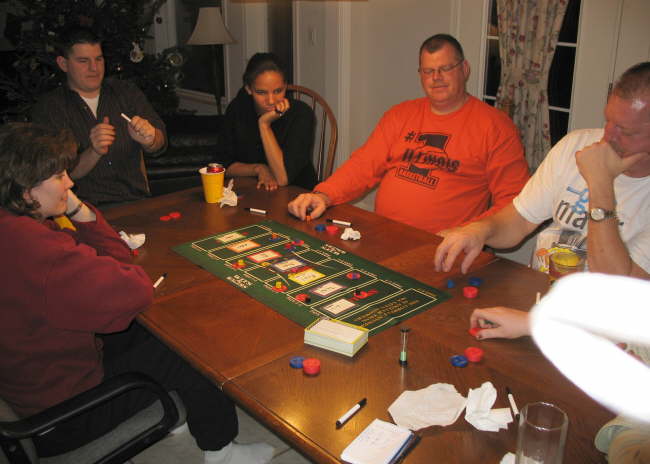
{"x":239,"y":138}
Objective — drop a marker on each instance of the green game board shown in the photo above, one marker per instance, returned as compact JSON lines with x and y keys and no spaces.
{"x":304,"y":278}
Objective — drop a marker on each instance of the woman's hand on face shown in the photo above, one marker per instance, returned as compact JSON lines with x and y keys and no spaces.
{"x":265,"y":178}
{"x":281,"y":107}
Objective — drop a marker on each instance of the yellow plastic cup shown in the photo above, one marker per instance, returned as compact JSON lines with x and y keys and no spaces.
{"x":564,"y":262}
{"x":212,"y":184}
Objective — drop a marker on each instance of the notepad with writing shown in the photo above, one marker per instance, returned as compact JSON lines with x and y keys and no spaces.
{"x":379,"y":443}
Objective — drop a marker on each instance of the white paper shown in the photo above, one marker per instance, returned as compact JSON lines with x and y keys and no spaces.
{"x":132,"y":240}
{"x":350,"y":234}
{"x":479,"y":410}
{"x":377,"y":444}
{"x":229,"y":197}
{"x":437,"y":404}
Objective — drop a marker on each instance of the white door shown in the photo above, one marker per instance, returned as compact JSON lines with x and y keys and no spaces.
{"x":613,"y":36}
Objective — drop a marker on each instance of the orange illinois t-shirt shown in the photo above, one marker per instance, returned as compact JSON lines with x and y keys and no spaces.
{"x":435,"y":171}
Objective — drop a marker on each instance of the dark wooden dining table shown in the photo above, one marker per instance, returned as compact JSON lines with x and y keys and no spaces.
{"x":245,"y":346}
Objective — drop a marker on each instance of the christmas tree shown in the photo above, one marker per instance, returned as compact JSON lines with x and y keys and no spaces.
{"x":123,"y":26}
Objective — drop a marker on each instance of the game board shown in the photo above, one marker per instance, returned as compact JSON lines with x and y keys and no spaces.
{"x":304,"y":278}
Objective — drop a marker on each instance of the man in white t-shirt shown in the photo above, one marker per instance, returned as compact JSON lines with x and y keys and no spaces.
{"x":595,"y":179}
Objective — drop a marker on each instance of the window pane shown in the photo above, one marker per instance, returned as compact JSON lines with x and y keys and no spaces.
{"x":493,"y":75}
{"x":559,"y":123}
{"x":569,"y":31}
{"x":561,"y":77}
{"x":493,"y":26}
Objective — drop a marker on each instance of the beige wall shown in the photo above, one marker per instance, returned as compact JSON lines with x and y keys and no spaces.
{"x":386,"y":36}
{"x":376,"y":64}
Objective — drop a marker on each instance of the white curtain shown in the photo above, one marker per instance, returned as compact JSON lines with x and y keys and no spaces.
{"x":528,"y":34}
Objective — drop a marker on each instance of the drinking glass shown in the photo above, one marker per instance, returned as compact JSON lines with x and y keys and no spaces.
{"x":564,"y":262}
{"x":542,"y":434}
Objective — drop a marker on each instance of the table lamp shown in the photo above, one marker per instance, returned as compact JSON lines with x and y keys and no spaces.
{"x":210,"y":30}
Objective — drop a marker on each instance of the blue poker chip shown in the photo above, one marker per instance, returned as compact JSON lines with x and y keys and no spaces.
{"x":320,"y":228}
{"x":458,"y":361}
{"x":296,"y":362}
{"x":450,"y":283}
{"x":475,"y":281}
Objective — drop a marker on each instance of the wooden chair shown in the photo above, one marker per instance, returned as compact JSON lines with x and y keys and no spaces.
{"x":326,"y":129}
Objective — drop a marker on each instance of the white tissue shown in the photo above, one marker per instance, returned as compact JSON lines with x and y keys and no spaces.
{"x":229,"y":197}
{"x":350,"y":234}
{"x":437,"y":404}
{"x":132,"y":240}
{"x":508,"y":458}
{"x":479,"y":410}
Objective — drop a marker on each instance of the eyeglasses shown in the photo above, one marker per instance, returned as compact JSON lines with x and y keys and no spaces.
{"x":440,"y":70}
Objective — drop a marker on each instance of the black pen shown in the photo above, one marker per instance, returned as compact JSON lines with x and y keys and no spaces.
{"x":405,"y":449}
{"x":352,"y":411}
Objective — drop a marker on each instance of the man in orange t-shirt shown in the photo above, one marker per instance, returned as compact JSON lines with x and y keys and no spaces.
{"x":440,"y":161}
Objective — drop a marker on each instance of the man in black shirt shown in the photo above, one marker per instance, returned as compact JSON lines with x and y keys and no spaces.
{"x":111,"y":166}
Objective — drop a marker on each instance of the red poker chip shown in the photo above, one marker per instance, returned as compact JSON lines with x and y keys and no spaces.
{"x":165,"y":218}
{"x":332,"y":229}
{"x":311,"y":366}
{"x":470,"y":292}
{"x":473,"y":354}
{"x":474,"y":331}
{"x":175,"y":215}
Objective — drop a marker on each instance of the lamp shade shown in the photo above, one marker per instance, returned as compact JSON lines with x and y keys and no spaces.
{"x":210,"y":29}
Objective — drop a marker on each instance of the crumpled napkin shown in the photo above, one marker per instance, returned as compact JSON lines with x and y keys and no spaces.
{"x":350,"y":234}
{"x":132,"y":240}
{"x":508,"y":458}
{"x":479,"y":410}
{"x":229,"y":197}
{"x":437,"y":404}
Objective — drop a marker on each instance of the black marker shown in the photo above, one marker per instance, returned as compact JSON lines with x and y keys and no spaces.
{"x":352,"y":411}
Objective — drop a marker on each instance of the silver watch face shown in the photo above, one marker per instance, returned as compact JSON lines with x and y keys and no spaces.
{"x":597,"y":214}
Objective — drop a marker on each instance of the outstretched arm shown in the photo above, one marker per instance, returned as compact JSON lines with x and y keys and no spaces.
{"x":316,"y":202}
{"x":500,"y":322}
{"x":504,"y":229}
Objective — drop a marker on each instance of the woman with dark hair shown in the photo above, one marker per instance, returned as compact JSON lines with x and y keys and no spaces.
{"x":265,"y":134}
{"x":62,"y":287}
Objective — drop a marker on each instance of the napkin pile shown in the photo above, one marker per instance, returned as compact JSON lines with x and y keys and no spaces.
{"x":350,"y":234}
{"x":440,"y":404}
{"x":132,"y":240}
{"x":229,"y":197}
{"x":478,"y":411}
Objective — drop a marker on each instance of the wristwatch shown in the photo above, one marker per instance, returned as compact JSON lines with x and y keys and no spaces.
{"x":600,"y":214}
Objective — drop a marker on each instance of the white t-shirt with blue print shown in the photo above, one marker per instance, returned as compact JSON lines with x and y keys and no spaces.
{"x":558,"y":191}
